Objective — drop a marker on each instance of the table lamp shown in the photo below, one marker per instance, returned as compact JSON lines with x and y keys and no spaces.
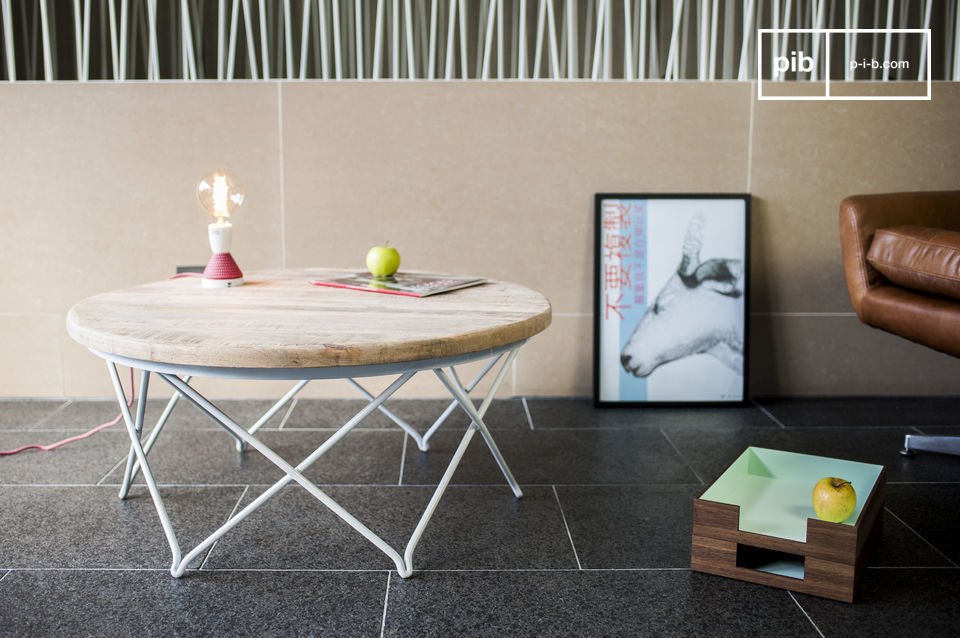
{"x":220,"y":196}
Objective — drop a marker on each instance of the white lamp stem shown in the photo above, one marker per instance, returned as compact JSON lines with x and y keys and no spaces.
{"x":221,"y":236}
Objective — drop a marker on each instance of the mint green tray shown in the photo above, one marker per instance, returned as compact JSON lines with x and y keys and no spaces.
{"x":774,"y":489}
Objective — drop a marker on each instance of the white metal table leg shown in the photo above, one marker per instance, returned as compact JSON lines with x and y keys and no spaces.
{"x":457,"y":391}
{"x":269,"y":414}
{"x":138,"y":426}
{"x":142,"y":457}
{"x":422,"y":441}
{"x":473,"y":384}
{"x":293,"y":474}
{"x":437,"y":495}
{"x":406,"y":427}
{"x":404,"y":563}
{"x":130,"y":474}
{"x":476,"y":425}
{"x":133,"y":465}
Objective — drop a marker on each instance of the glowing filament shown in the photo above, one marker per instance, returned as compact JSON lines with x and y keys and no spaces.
{"x":220,"y":193}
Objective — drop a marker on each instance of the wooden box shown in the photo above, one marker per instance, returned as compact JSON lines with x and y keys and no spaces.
{"x":756,"y":523}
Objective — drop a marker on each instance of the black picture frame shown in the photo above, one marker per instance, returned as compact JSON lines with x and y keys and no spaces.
{"x":684,"y":260}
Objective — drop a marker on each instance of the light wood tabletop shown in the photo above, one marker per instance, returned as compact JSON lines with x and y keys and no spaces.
{"x":278,"y":320}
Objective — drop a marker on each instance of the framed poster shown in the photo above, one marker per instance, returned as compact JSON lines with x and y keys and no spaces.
{"x":670,"y":299}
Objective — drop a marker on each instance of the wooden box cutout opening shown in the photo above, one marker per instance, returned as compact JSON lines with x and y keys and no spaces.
{"x":770,"y":561}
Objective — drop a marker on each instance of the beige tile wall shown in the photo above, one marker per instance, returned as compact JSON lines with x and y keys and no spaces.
{"x":96,"y":193}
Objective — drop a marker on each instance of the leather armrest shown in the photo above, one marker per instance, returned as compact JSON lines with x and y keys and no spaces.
{"x":862,"y":215}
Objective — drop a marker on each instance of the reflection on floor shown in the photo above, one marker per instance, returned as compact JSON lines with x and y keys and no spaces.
{"x":599,"y":545}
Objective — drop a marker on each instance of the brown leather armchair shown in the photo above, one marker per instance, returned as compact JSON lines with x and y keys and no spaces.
{"x":901,"y":258}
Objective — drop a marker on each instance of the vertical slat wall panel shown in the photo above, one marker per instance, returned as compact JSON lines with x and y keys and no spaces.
{"x":456,"y":39}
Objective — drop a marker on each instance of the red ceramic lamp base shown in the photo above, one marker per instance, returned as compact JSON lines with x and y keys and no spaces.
{"x":222,"y":272}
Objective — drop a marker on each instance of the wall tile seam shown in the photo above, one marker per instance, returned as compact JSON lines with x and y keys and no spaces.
{"x":281,"y":159}
{"x":761,"y":313}
{"x":22,"y":315}
{"x":750,"y":124}
{"x":803,"y":314}
{"x":62,"y":367}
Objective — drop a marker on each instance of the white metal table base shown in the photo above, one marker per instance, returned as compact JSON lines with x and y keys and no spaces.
{"x":404,"y":563}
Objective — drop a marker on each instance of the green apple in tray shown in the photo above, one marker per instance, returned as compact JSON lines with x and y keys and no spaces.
{"x":834,"y":499}
{"x":383,"y":261}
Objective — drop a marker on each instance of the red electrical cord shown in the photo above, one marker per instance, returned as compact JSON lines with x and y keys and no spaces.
{"x":79,"y":437}
{"x":102,"y":426}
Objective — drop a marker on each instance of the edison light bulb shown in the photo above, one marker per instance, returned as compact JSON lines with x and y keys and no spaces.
{"x":220,"y":196}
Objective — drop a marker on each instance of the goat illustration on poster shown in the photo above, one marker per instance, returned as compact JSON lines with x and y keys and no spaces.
{"x":671,"y":298}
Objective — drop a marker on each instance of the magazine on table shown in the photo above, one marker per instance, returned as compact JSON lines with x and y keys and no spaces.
{"x":406,"y":284}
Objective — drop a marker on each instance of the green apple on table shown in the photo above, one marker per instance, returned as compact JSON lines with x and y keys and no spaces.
{"x":383,"y":261}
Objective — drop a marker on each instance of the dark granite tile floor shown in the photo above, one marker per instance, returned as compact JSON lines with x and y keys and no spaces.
{"x":932,"y":511}
{"x":297,"y":532}
{"x":210,"y":458}
{"x":598,"y":546}
{"x":82,"y":462}
{"x":864,"y":411}
{"x":641,"y":455}
{"x":80,"y":415}
{"x":503,"y":414}
{"x":151,"y":603}
{"x":83,"y":527}
{"x":893,"y":602}
{"x":16,"y":415}
{"x":710,"y":450}
{"x":589,"y":603}
{"x":940,"y":430}
{"x":580,"y":413}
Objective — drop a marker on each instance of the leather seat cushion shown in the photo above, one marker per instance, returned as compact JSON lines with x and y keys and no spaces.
{"x":918,"y":258}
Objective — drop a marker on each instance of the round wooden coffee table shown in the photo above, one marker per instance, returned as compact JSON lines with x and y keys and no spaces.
{"x":278,"y":326}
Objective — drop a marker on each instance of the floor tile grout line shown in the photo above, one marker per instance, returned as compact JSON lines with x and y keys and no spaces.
{"x":181,"y":429}
{"x":282,"y":172}
{"x":39,"y":485}
{"x":192,"y":570}
{"x":552,"y":570}
{"x":923,"y":482}
{"x":421,"y":485}
{"x":309,"y":570}
{"x":179,"y":485}
{"x":797,"y":602}
{"x":526,"y":408}
{"x":403,"y":458}
{"x":767,"y":413}
{"x":111,"y":471}
{"x":604,"y":428}
{"x":59,"y":409}
{"x":286,"y":416}
{"x":567,"y":527}
{"x":682,"y":457}
{"x":386,"y":600}
{"x":232,"y":512}
{"x":921,"y":537}
{"x":301,"y":429}
{"x":750,"y":125}
{"x":391,"y":570}
{"x":912,"y":567}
